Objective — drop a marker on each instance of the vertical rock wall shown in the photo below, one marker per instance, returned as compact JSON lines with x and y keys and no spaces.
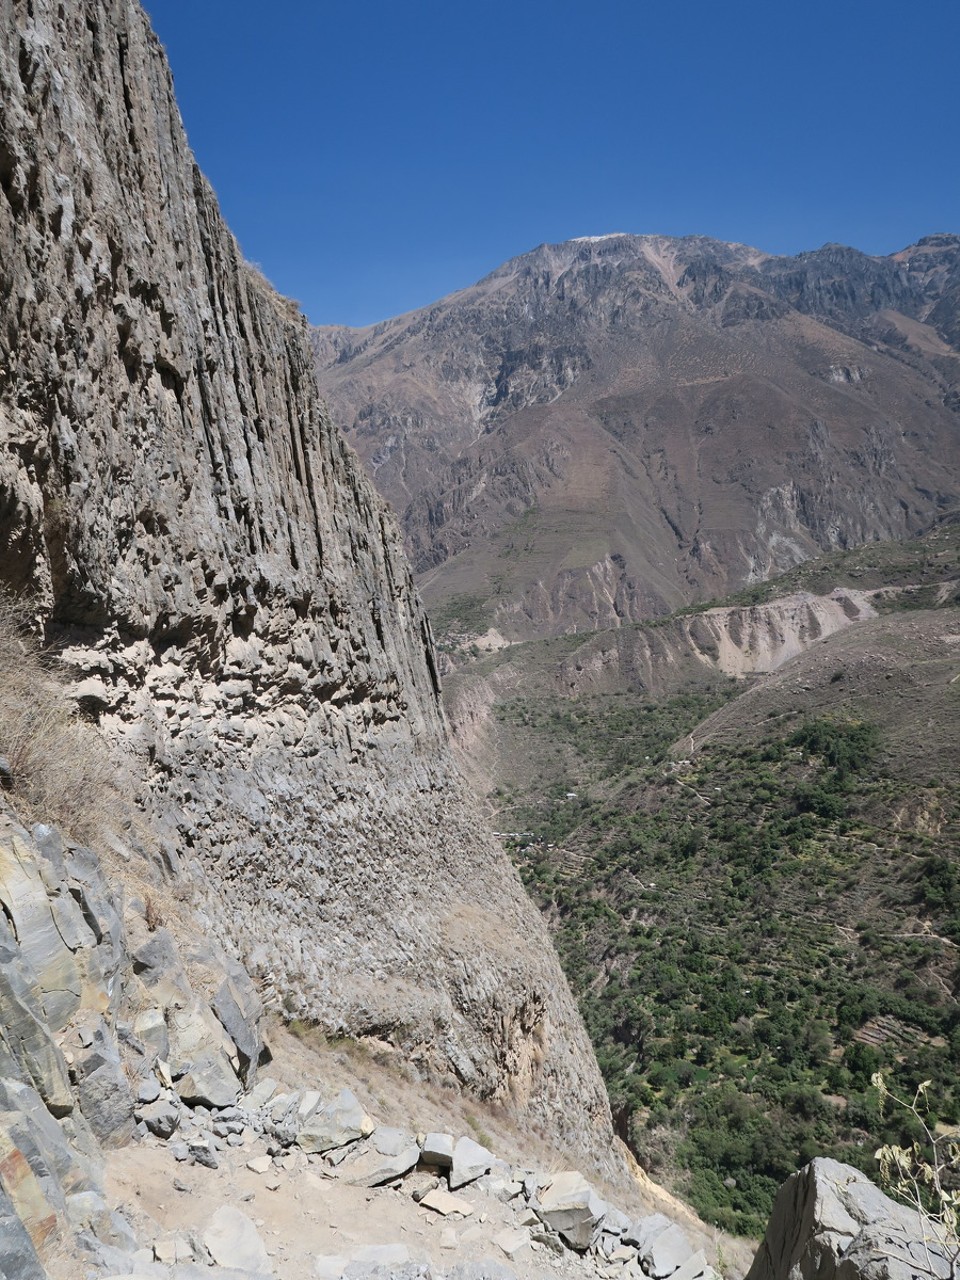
{"x":232,"y":592}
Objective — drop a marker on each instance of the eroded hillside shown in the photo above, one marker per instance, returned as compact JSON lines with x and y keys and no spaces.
{"x":605,"y":430}
{"x":743,"y":833}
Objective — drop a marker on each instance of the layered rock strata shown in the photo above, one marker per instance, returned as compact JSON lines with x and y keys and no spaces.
{"x":232,"y":593}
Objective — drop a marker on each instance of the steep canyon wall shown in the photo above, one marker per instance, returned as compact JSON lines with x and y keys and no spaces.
{"x":231,"y":592}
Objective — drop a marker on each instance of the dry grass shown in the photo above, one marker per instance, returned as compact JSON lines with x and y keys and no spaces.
{"x":59,"y":769}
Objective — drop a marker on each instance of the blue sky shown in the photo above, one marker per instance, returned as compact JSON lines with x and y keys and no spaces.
{"x":372,"y":157}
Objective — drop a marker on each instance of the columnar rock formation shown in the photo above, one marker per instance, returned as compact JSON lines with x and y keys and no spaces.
{"x":233,"y":594}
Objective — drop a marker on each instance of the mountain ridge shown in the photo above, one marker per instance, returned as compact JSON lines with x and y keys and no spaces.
{"x":599,"y":432}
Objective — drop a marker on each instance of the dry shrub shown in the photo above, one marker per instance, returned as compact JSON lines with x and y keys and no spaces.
{"x":59,"y":769}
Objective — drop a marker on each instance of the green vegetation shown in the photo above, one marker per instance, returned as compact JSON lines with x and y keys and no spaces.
{"x":751,"y":935}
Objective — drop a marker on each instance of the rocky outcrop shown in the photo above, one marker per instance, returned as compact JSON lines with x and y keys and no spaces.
{"x":831,"y":1222}
{"x":233,"y":597}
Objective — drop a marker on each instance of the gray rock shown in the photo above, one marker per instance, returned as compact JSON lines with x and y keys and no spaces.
{"x":107,"y":1103}
{"x":696,"y":1265}
{"x":25,"y":1037}
{"x":616,"y":1223}
{"x":30,"y":909}
{"x":665,"y":1251}
{"x":644,"y":1230}
{"x":233,"y":1241}
{"x":260,"y":1094}
{"x":161,"y":1118}
{"x":470,"y":1161}
{"x":157,"y":964}
{"x":372,"y":1168}
{"x":151,"y":1027}
{"x":210,"y":1081}
{"x":335,"y":1124}
{"x":391,"y":1142}
{"x":571,"y":1207}
{"x":438,"y":1150}
{"x":148,"y":1090}
{"x":18,"y":1212}
{"x":829,"y":1220}
{"x":238,"y":1007}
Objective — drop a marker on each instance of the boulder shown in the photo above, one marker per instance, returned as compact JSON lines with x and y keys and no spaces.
{"x":210,"y":1082}
{"x":644,"y":1229}
{"x":665,"y":1252}
{"x":372,"y":1168}
{"x":161,"y":1118}
{"x":150,"y":1027}
{"x":438,"y":1150}
{"x":233,"y":1241}
{"x":515,"y":1243}
{"x":335,"y":1124}
{"x":106,"y":1099}
{"x":829,"y":1220}
{"x":470,"y":1161}
{"x":238,"y":1008}
{"x":571,"y":1207}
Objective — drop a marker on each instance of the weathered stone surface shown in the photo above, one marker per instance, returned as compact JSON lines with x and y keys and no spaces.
{"x":571,"y":1207}
{"x":233,"y":1241}
{"x":665,"y":1251}
{"x":210,"y":1082}
{"x":161,"y":1118}
{"x":18,"y":1257}
{"x":107,"y":1104}
{"x":151,"y":1027}
{"x":644,"y":1229}
{"x":470,"y":1161}
{"x":391,"y":1142}
{"x":515,"y":1243}
{"x":830,"y":1221}
{"x":238,"y":1007}
{"x":24,"y":1031}
{"x":25,"y":1195}
{"x":372,"y":1168}
{"x":338,"y":1122}
{"x":438,"y":1150}
{"x":25,"y":899}
{"x":695,"y":1265}
{"x":444,"y":1203}
{"x":241,"y":598}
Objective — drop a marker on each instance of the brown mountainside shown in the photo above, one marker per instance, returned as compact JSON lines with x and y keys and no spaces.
{"x":603,"y":430}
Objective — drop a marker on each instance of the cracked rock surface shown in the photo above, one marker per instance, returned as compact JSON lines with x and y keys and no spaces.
{"x":232,"y":594}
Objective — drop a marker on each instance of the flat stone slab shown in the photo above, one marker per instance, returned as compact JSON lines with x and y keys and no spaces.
{"x":444,"y":1203}
{"x":371,"y":1169}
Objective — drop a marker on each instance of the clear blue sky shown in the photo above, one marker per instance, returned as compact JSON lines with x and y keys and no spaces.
{"x":372,"y":157}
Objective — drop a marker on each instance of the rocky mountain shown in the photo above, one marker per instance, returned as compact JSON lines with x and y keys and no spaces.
{"x":230,"y":596}
{"x":604,"y":430}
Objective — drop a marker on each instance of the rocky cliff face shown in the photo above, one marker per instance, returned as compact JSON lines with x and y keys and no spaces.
{"x":232,"y":594}
{"x":604,"y":430}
